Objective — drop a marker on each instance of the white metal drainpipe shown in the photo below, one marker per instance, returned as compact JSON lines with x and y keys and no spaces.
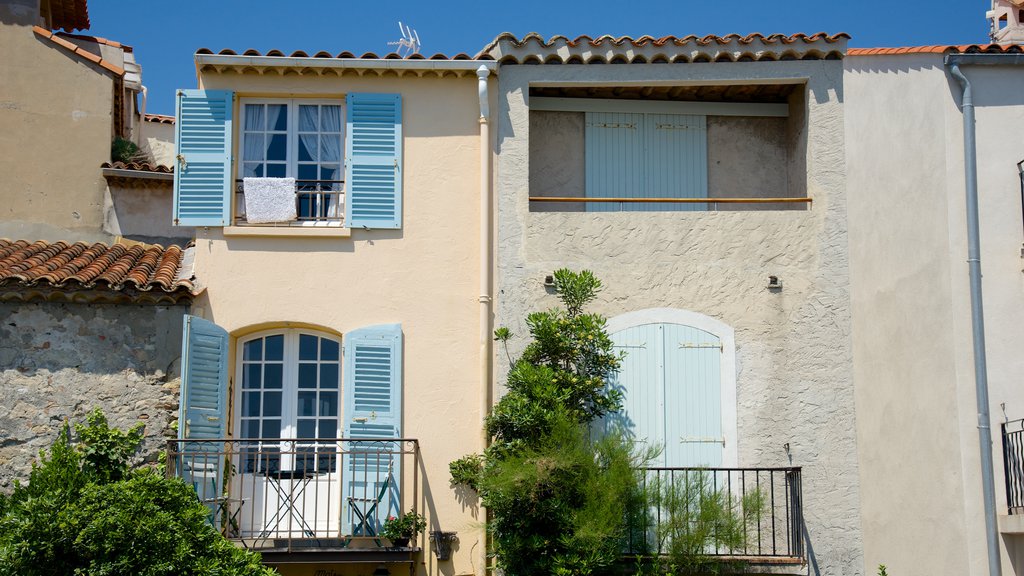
{"x":953,"y":62}
{"x":485,"y":299}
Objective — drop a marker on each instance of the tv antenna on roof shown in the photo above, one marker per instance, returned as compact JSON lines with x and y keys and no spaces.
{"x":410,"y":42}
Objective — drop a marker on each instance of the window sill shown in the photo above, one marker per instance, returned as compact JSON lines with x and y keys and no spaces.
{"x":292,"y":231}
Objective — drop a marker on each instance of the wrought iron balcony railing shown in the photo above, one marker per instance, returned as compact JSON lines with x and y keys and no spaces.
{"x":284,"y":493}
{"x":1013,"y":465}
{"x":768,"y":502}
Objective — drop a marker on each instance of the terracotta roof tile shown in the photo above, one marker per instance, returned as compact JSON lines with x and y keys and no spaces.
{"x":345,"y":54}
{"x":940,"y":49}
{"x":70,"y":15}
{"x":77,"y":50}
{"x":101,"y":267}
{"x":535,"y":49}
{"x":158,"y":118}
{"x":142,"y":167}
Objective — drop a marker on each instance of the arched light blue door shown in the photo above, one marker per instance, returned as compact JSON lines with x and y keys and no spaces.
{"x":671,"y":383}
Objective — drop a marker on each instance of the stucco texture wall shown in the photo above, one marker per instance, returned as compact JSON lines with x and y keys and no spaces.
{"x":424,"y":276}
{"x":55,"y":114}
{"x":60,"y":361}
{"x":793,"y":347}
{"x":917,"y":413}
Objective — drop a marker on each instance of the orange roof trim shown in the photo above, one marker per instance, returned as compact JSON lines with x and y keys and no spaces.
{"x":941,"y":49}
{"x":98,"y":40}
{"x":77,"y":50}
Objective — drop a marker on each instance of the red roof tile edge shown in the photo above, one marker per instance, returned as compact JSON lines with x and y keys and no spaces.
{"x":939,"y":49}
{"x":139,"y":166}
{"x":676,"y":40}
{"x":158,"y":118}
{"x":99,"y":266}
{"x":77,"y":50}
{"x":340,"y":55}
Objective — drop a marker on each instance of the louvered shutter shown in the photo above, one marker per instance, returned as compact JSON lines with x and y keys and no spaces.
{"x":373,"y":409}
{"x":202,"y":173}
{"x":203,"y":411}
{"x":373,"y":161}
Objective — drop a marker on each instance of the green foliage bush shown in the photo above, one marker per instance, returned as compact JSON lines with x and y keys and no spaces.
{"x":85,"y":512}
{"x":556,"y":497}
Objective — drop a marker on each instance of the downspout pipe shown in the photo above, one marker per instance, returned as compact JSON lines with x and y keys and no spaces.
{"x":486,"y":267}
{"x":953,"y":62}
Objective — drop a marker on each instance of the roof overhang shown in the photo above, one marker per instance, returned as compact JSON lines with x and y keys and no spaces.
{"x":320,"y":65}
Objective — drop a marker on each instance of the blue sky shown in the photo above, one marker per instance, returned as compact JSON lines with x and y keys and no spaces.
{"x":166,"y":33}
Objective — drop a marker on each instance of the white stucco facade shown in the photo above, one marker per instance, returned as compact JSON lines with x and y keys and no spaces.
{"x":913,"y":363}
{"x":793,"y":359}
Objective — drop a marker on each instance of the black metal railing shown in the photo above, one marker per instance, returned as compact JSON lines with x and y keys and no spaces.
{"x":1013,"y":464}
{"x":768,"y":502}
{"x":315,"y":201}
{"x":274,"y":493}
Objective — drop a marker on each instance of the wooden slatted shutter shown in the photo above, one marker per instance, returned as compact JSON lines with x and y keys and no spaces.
{"x":203,"y":408}
{"x":204,"y":380}
{"x":373,"y":161}
{"x":672,"y":392}
{"x":677,"y":159}
{"x":373,"y":409}
{"x":614,"y":159}
{"x":202,"y":174}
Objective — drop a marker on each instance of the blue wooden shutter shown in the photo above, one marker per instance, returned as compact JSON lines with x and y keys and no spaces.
{"x":676,"y":159}
{"x":614,"y":159}
{"x":693,"y":397}
{"x":373,"y":161}
{"x":203,"y":410}
{"x":373,"y":409}
{"x":672,"y":392}
{"x":202,"y":173}
{"x":204,"y":380}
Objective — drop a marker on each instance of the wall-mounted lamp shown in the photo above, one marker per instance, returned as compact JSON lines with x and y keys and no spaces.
{"x":774,"y":283}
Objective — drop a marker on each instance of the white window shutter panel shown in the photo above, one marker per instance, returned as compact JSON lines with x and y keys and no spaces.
{"x":202,"y":169}
{"x":373,"y":409}
{"x":373,"y":161}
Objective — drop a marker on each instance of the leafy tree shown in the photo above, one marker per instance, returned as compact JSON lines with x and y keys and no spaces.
{"x":86,"y":512}
{"x":556,"y":497}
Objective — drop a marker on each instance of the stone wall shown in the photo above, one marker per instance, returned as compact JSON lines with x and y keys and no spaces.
{"x":58,"y":361}
{"x":795,"y":389}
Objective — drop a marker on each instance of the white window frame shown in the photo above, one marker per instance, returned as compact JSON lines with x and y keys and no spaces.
{"x":289,"y":380}
{"x":292,"y":148}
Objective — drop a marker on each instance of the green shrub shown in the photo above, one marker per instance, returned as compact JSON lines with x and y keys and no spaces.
{"x":84,"y":512}
{"x":124,"y":150}
{"x":557,"y":499}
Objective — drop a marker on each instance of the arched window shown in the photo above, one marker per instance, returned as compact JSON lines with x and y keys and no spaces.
{"x":288,"y":386}
{"x":678,"y":383}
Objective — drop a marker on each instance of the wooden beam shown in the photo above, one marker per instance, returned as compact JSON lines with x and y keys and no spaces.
{"x":674,"y":200}
{"x":658,"y":107}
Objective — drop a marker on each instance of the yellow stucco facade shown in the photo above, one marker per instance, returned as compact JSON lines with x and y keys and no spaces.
{"x":423,"y":276}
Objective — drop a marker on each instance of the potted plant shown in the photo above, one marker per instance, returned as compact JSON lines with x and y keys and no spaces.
{"x":401,"y":530}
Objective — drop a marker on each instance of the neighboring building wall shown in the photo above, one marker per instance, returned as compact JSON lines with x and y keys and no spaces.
{"x":157,"y":140}
{"x":146,"y":214}
{"x":913,"y":364}
{"x":59,"y":361}
{"x":793,"y":351}
{"x":424,"y":276}
{"x":57,"y":128}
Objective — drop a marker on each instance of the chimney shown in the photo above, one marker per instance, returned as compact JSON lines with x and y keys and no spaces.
{"x":1007,"y":21}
